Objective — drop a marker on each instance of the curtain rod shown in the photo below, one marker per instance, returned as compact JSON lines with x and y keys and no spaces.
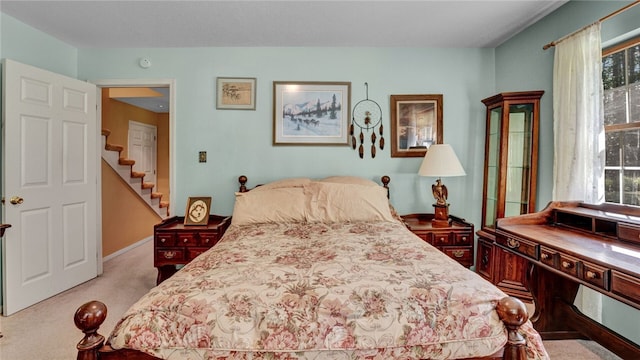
{"x":553,"y":43}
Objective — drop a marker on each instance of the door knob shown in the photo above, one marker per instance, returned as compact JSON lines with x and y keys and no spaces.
{"x":16,"y":200}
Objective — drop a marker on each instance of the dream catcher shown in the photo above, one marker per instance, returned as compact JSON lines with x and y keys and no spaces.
{"x":366,"y":115}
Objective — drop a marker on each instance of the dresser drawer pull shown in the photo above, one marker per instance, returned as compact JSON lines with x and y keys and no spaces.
{"x":441,"y":239}
{"x":207,"y":240}
{"x":458,"y":253}
{"x":512,"y":243}
{"x":163,"y":240}
{"x":169,"y":254}
{"x":544,"y":256}
{"x":567,"y":265}
{"x":592,"y":275}
{"x":185,"y":240}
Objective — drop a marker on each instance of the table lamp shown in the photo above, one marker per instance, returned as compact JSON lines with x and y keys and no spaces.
{"x":440,"y":161}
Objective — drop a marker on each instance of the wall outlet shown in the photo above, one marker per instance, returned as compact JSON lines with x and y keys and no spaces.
{"x":202,"y":156}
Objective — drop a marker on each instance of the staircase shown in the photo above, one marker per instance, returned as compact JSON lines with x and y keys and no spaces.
{"x":124,"y":167}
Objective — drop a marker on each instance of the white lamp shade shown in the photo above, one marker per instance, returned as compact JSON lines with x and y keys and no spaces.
{"x":441,"y":161}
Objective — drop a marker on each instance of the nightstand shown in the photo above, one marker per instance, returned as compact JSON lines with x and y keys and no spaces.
{"x":455,"y":240}
{"x":177,"y":244}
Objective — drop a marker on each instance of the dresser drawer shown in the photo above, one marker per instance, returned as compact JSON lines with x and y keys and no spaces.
{"x":463,"y":255}
{"x":596,"y":275}
{"x":548,"y":257}
{"x":522,"y":246}
{"x":208,"y":238}
{"x":426,"y":236}
{"x":568,"y":264}
{"x":165,"y":239}
{"x":629,"y":233}
{"x":168,"y":256}
{"x":463,"y":238}
{"x":440,"y":239}
{"x":186,"y":239}
{"x":625,"y":286}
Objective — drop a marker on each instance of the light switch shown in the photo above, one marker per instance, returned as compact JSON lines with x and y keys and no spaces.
{"x":202,"y":156}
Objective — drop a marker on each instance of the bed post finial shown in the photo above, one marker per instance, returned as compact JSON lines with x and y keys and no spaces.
{"x":88,"y":318}
{"x":385,"y":182}
{"x":243,"y":183}
{"x":513,"y":314}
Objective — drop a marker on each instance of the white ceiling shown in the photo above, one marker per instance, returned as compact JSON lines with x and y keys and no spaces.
{"x":147,"y":23}
{"x":212,"y":23}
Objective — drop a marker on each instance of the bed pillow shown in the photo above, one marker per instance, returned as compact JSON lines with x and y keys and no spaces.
{"x":355,"y":180}
{"x":288,"y":204}
{"x":284,"y":183}
{"x":335,"y":202}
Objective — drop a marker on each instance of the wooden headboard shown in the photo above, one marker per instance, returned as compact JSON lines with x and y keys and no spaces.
{"x":242,"y":179}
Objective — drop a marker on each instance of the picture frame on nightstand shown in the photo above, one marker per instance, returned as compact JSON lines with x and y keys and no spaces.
{"x":197,"y":211}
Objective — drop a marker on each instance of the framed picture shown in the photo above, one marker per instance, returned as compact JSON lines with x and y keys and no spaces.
{"x":416,"y":123}
{"x":311,"y":113}
{"x":236,"y":93}
{"x":197,"y":212}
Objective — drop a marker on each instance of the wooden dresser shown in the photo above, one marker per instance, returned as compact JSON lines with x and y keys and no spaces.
{"x":570,"y":244}
{"x":455,"y":240}
{"x":176,"y":244}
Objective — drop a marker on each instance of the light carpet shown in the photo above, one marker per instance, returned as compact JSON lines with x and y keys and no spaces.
{"x":46,"y":330}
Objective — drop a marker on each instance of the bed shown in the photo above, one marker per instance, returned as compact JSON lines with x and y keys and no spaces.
{"x":317,"y":269}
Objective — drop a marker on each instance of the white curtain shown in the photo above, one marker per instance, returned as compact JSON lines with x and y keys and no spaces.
{"x":578,"y":129}
{"x":579,"y":158}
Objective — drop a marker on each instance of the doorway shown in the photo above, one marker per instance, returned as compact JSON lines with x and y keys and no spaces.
{"x":164,"y":179}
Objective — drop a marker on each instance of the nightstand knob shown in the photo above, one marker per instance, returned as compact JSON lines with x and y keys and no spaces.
{"x":185,"y":240}
{"x":163,"y":240}
{"x":207,"y":240}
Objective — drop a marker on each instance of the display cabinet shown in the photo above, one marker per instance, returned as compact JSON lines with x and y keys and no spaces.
{"x":510,"y":173}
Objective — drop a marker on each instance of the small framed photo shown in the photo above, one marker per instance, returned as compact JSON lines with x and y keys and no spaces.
{"x":311,"y":113}
{"x":416,"y":123}
{"x":236,"y":93}
{"x":197,"y":212}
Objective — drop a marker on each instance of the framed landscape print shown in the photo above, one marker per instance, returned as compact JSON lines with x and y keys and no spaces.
{"x":416,"y":123}
{"x":197,"y":212}
{"x":311,"y":113}
{"x":236,"y":93}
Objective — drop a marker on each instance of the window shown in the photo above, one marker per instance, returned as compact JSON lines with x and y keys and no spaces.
{"x":621,"y":81}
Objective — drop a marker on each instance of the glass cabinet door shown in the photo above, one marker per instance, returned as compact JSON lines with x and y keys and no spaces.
{"x":493,"y":162}
{"x":511,"y":155}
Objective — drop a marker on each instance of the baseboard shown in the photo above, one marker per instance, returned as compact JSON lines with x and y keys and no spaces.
{"x":124,"y":250}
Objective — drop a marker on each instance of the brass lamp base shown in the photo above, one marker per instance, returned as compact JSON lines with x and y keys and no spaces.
{"x":441,"y":216}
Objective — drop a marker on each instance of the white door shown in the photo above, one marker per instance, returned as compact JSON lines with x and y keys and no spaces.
{"x":50,"y":184}
{"x":142,"y":148}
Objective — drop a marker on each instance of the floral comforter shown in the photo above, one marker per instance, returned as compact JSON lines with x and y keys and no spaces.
{"x":320,"y":291}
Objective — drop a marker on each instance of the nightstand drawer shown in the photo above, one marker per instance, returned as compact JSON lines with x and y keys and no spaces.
{"x":442,"y":239}
{"x":186,"y":239}
{"x":463,"y":238}
{"x":463,"y":255}
{"x":165,"y":239}
{"x":194,"y":252}
{"x":169,"y":256}
{"x":208,"y":239}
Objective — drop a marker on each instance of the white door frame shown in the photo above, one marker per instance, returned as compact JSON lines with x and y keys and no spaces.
{"x":107,"y":83}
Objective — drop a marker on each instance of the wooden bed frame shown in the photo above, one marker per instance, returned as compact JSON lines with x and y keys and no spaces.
{"x":90,"y":316}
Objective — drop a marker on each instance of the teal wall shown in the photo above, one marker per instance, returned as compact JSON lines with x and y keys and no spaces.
{"x":240,"y":142}
{"x":522,"y":64}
